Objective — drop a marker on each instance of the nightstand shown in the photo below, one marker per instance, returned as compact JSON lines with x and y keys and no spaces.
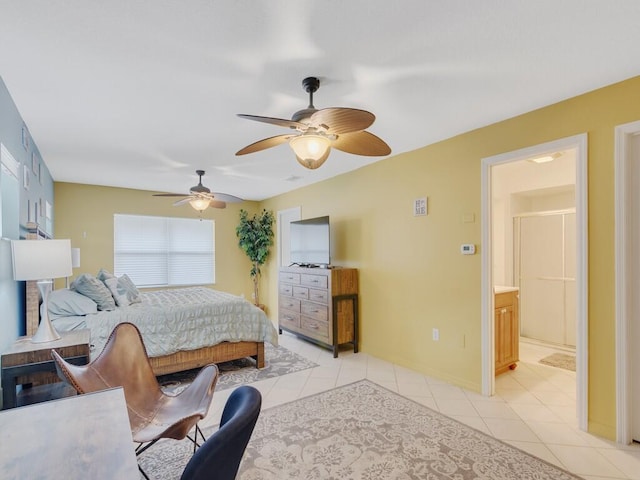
{"x":24,"y":358}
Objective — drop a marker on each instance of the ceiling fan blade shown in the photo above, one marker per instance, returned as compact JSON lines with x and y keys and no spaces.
{"x":225,"y":197}
{"x":170,"y":194}
{"x":264,"y":144}
{"x":217,"y":204}
{"x":281,"y":122}
{"x":182,"y":202}
{"x":342,"y":120}
{"x":362,"y":143}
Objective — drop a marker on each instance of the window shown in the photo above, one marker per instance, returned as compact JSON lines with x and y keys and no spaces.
{"x":160,"y":251}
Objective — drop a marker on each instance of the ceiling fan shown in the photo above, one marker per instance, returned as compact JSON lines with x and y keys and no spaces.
{"x":200,"y":197}
{"x":317,"y":131}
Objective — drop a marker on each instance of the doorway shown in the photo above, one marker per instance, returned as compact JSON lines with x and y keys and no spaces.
{"x":498,"y":260}
{"x":285,"y":217}
{"x":627,"y":188}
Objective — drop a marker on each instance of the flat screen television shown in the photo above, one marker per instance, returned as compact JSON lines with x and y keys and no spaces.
{"x":310,"y":242}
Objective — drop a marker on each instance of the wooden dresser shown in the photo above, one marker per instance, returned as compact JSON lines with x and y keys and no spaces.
{"x":320,"y":305}
{"x":507,"y":328}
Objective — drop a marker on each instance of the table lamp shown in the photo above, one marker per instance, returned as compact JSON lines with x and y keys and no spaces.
{"x":75,"y":263}
{"x":42,"y":260}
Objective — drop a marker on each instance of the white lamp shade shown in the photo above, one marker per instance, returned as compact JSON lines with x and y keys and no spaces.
{"x":41,"y":259}
{"x":75,"y":257}
{"x":199,"y":204}
{"x":311,"y":150}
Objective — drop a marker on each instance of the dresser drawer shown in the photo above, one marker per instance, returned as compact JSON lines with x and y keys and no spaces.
{"x":286,"y":289}
{"x":287,"y":318}
{"x":317,"y":281}
{"x":320,"y":296}
{"x":289,"y":303}
{"x":301,"y":292}
{"x":287,"y":277}
{"x":314,"y":310}
{"x":315,"y":328}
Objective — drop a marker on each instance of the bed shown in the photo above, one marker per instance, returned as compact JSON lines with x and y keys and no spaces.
{"x":183,"y":328}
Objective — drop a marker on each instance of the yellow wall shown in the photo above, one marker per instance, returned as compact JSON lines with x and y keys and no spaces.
{"x":87,"y":208}
{"x":412,"y":276}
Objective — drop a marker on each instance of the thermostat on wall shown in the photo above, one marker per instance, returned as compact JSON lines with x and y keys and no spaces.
{"x":467,"y":249}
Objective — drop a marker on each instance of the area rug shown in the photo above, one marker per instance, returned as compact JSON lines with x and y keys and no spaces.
{"x":278,"y":361}
{"x":364,"y":431}
{"x":560,"y":360}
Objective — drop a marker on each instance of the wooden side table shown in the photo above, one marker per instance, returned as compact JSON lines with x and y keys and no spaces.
{"x":24,"y":358}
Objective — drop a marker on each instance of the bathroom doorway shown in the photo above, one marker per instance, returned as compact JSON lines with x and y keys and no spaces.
{"x":534,"y":203}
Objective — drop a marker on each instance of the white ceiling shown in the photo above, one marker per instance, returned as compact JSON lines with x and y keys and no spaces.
{"x":141,"y":93}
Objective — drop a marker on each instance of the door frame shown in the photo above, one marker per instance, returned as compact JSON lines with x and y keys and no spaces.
{"x":625,"y":278}
{"x":579,"y":143}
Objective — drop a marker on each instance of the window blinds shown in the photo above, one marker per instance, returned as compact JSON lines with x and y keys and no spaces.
{"x":164,"y":251}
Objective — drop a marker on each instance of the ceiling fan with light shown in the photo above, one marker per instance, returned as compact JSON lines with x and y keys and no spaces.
{"x":317,"y":131}
{"x":200,"y":197}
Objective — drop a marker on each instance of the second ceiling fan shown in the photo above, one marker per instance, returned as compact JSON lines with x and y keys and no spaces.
{"x":317,"y":131}
{"x":201,"y":197}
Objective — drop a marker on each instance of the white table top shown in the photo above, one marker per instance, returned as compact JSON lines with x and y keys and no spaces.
{"x":73,"y":337}
{"x":82,"y":437}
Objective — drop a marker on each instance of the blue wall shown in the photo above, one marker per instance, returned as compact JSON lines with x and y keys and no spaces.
{"x":15,"y":202}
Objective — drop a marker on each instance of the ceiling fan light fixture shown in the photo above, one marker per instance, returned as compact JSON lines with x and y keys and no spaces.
{"x":199,"y":204}
{"x":546,"y":158}
{"x":311,"y":150}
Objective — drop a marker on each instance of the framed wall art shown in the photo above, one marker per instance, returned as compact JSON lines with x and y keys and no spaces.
{"x":26,"y":179}
{"x":25,"y":137}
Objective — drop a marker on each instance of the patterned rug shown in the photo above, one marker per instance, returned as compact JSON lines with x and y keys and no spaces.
{"x":278,"y":361}
{"x":560,"y":360}
{"x":364,"y":431}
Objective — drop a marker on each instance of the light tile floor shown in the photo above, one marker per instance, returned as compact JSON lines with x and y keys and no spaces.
{"x":533,"y":409}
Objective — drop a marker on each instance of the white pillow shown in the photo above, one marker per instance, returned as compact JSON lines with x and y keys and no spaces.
{"x":67,"y":303}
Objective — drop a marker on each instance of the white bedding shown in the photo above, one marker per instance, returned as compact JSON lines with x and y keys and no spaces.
{"x":180,"y":319}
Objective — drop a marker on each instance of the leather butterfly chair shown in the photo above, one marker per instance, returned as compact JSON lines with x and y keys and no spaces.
{"x":219,"y":457}
{"x":152,"y":414}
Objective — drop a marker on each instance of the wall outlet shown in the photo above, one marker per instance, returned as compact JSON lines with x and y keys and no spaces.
{"x":435,"y":334}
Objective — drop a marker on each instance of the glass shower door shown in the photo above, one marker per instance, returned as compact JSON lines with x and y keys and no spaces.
{"x":545,"y":267}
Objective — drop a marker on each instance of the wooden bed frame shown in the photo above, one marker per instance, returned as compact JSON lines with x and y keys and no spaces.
{"x":179,"y":361}
{"x":223,"y":352}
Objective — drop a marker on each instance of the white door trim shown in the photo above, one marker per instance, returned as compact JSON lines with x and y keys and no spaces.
{"x":579,"y":142}
{"x":623,"y":275}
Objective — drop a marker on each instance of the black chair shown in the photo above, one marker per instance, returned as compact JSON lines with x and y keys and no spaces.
{"x":219,"y":457}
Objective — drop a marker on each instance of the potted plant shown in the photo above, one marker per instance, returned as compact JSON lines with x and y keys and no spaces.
{"x":255,"y":236}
